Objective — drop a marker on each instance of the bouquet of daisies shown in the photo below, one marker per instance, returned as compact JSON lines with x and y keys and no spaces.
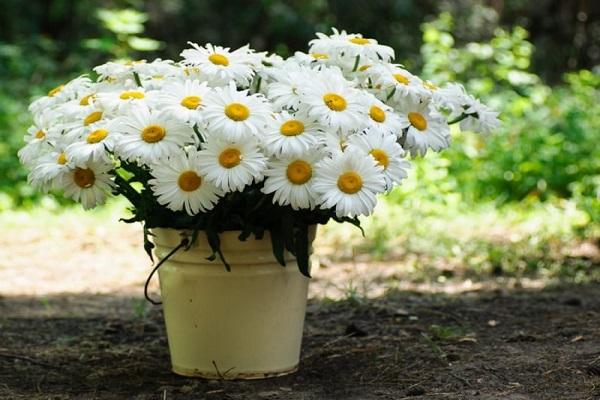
{"x":241,"y":140}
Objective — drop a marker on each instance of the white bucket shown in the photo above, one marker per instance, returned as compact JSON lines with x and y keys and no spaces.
{"x":243,"y":324}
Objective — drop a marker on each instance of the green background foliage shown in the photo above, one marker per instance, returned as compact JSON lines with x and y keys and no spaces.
{"x":538,"y":70}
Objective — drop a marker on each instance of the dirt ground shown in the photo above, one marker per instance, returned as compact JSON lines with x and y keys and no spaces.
{"x":523,"y":344}
{"x":74,"y":325}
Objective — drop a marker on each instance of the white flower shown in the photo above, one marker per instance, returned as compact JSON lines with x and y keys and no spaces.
{"x":222,"y":65}
{"x":381,"y":116}
{"x":385,"y":151}
{"x":150,"y":135}
{"x":183,"y":99}
{"x":180,"y":184}
{"x":95,"y":142}
{"x":425,"y":128}
{"x":50,"y":168}
{"x":115,"y":72}
{"x":394,"y":83}
{"x":231,"y":165}
{"x":37,"y":138}
{"x":333,"y":102}
{"x":121,"y":99}
{"x":285,"y":86}
{"x":61,"y":94}
{"x":76,"y":123}
{"x":235,"y":115}
{"x":452,"y":97}
{"x":87,"y":184}
{"x":349,"y":183}
{"x":290,"y":180}
{"x":291,"y":134}
{"x":350,"y":46}
{"x":312,"y":59}
{"x":480,"y":118}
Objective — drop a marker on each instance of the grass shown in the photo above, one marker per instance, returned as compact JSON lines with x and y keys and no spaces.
{"x":431,"y":241}
{"x":551,"y":240}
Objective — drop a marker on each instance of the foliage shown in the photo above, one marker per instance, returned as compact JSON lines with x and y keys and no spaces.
{"x":124,"y":27}
{"x":547,"y":146}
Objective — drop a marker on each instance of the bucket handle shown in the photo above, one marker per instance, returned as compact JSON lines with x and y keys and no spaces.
{"x":184,"y":242}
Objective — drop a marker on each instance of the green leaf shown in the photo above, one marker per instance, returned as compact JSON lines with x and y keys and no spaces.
{"x":302,"y":256}
{"x":148,"y":245}
{"x":215,"y":245}
{"x":143,"y":44}
{"x":278,"y":244}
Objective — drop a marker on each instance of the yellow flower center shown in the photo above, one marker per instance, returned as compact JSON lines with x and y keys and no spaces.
{"x":401,"y":79}
{"x":153,"y":133}
{"x":359,"y":40}
{"x":97,"y":136}
{"x":131,"y":94}
{"x":237,"y":111}
{"x":377,"y":114}
{"x":191,"y":102}
{"x":335,"y":102}
{"x":319,"y":56}
{"x":62,"y":159}
{"x":381,"y":157}
{"x":417,"y":120}
{"x":293,"y":127}
{"x":85,"y":100}
{"x":191,"y":70}
{"x":55,"y":91}
{"x":429,"y":85}
{"x":189,"y":181}
{"x":93,"y":117}
{"x":364,"y":67}
{"x":84,"y":178}
{"x":218,"y":59}
{"x":299,"y":172}
{"x":230,"y":157}
{"x":40,"y":134}
{"x":350,"y":182}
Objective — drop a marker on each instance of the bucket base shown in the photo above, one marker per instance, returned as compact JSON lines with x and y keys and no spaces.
{"x":231,"y":375}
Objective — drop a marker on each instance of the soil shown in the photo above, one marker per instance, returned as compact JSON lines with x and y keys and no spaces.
{"x":74,"y":325}
{"x":482,"y":344}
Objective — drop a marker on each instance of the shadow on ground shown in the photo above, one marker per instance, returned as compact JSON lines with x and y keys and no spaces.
{"x":498,"y":344}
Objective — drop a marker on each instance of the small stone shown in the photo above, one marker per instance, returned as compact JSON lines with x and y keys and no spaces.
{"x":415,"y":391}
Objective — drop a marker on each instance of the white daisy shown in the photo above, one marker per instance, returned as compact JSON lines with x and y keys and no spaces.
{"x":74,"y":125}
{"x":37,"y":138}
{"x":96,"y":142}
{"x":121,"y":99}
{"x":382,"y":117}
{"x":290,"y":180}
{"x":451,"y":97}
{"x":312,"y":59}
{"x":385,"y":151}
{"x":424,"y":128}
{"x":351,"y":46}
{"x":349,"y":183}
{"x":235,"y":114}
{"x":222,"y":65}
{"x":394,"y":83}
{"x":149,"y":135}
{"x":183,"y":99}
{"x":333,"y":102}
{"x":61,"y":94}
{"x":291,"y":134}
{"x":284,"y":89}
{"x":480,"y":118}
{"x":180,"y":184}
{"x":232,"y":165}
{"x":88,"y":184}
{"x":50,"y":168}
